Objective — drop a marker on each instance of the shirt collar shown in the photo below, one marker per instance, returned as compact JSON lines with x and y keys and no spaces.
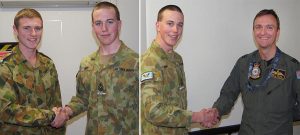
{"x":118,"y":56}
{"x":20,"y":58}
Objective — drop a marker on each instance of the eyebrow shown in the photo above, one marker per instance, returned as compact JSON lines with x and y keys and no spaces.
{"x":31,"y":26}
{"x":111,"y":19}
{"x":265,"y":25}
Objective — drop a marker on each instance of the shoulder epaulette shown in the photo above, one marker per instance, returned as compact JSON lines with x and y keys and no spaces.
{"x":295,"y":61}
{"x":244,"y":56}
{"x":45,"y":55}
{"x":7,"y":57}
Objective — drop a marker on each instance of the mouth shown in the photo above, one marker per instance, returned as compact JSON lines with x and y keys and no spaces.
{"x":105,"y":35}
{"x":32,"y":39}
{"x":264,"y":38}
{"x":173,"y":36}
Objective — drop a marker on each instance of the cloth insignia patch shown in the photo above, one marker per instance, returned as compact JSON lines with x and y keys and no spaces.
{"x":255,"y":73}
{"x":147,"y":76}
{"x":4,"y":54}
{"x":6,"y":50}
{"x":298,"y":74}
{"x":279,"y":74}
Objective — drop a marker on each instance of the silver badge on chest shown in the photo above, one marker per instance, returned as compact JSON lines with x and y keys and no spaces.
{"x":100,"y":90}
{"x":255,"y":73}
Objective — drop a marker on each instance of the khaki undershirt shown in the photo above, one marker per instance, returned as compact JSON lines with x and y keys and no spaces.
{"x":104,"y":59}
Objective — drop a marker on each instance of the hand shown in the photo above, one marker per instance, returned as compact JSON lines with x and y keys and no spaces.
{"x":68,"y":110}
{"x":211,"y":117}
{"x":206,"y":117}
{"x":60,"y":118}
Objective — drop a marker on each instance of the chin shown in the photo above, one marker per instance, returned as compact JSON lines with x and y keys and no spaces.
{"x":264,"y":46}
{"x":105,"y":43}
{"x":172,"y":44}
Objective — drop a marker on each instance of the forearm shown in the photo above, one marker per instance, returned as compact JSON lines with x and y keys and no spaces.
{"x":229,"y":92}
{"x":224,"y":104}
{"x":168,"y":116}
{"x":159,"y":113}
{"x":296,"y":90}
{"x":77,"y":106}
{"x":56,"y":100}
{"x":26,"y":116}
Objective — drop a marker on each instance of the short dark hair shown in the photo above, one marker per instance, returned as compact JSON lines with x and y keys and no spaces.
{"x":106,"y":4}
{"x":267,"y":12}
{"x":168,"y":7}
{"x":27,"y":13}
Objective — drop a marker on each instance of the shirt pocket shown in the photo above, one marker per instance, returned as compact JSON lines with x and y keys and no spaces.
{"x":124,"y":87}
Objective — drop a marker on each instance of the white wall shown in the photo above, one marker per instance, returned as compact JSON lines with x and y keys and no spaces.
{"x":67,"y":38}
{"x":216,"y":33}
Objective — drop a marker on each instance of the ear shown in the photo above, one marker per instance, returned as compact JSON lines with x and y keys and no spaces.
{"x":277,"y":35}
{"x":119,"y":25}
{"x":253,"y":38}
{"x":15,"y":30}
{"x":157,"y":26}
{"x":93,"y":28}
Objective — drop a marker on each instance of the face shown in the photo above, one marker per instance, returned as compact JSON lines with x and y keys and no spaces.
{"x":169,"y":29}
{"x":106,"y":26}
{"x":265,"y":31}
{"x":29,"y":32}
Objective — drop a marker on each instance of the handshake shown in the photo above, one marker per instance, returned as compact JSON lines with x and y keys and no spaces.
{"x":62,"y":115}
{"x":206,"y":117}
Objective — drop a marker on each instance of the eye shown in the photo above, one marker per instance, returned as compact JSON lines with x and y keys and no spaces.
{"x":258,"y":27}
{"x":38,"y":29}
{"x":26,"y":28}
{"x":98,"y":23}
{"x":180,"y":25}
{"x":170,"y":23}
{"x":110,"y":21}
{"x":270,"y":27}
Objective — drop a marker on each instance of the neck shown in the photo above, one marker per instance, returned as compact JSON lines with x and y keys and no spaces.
{"x":29,"y":54}
{"x":110,"y":49}
{"x":166,"y":48}
{"x":267,"y":53}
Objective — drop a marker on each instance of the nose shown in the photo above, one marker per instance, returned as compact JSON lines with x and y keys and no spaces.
{"x":104,"y":27}
{"x":263,"y":31}
{"x":33,"y":32}
{"x":175,"y":28}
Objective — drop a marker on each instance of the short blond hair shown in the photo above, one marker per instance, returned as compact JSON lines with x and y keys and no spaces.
{"x":106,"y":4}
{"x":26,"y":13}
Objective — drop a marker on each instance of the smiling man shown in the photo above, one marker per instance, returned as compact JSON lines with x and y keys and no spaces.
{"x":29,"y":86}
{"x":163,"y":86}
{"x":268,"y":80}
{"x":107,"y":80}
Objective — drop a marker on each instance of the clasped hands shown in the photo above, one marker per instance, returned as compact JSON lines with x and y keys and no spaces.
{"x":62,"y":115}
{"x":206,"y":117}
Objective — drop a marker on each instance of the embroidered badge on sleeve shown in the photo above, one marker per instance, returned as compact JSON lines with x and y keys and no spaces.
{"x":147,"y":76}
{"x":298,"y":74}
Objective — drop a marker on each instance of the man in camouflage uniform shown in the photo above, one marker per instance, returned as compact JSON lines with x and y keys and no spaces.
{"x":268,"y":80}
{"x":29,"y":86}
{"x":164,"y":95}
{"x":107,"y":81}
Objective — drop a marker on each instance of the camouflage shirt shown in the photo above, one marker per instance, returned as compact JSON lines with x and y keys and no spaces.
{"x":109,"y":93}
{"x":28,"y":94}
{"x":164,"y":95}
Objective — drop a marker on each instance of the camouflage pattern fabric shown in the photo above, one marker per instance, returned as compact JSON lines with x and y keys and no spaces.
{"x":268,"y":110}
{"x":28,"y":93}
{"x":164,"y":95}
{"x":109,"y":93}
{"x":11,"y":129}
